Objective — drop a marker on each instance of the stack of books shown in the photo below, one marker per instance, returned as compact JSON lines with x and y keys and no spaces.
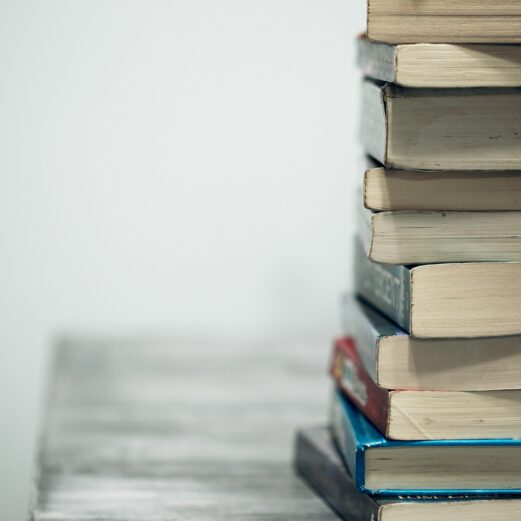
{"x":425,"y":418}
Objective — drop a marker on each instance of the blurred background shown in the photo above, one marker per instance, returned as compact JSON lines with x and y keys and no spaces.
{"x":182,"y":166}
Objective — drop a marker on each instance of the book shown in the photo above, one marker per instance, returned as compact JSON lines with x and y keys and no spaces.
{"x":389,"y":189}
{"x":441,"y":65}
{"x":316,"y":459}
{"x":449,"y":21}
{"x":425,"y":415}
{"x":423,"y":237}
{"x":395,"y":360}
{"x":476,"y":299}
{"x":431,"y":467}
{"x":442,"y":129}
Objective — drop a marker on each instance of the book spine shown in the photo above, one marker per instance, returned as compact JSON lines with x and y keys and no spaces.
{"x":351,"y":377}
{"x":355,"y":324}
{"x":346,"y":441}
{"x":385,"y":286}
{"x":377,"y":60}
{"x":316,"y":461}
{"x":364,"y":226}
{"x":373,"y":122}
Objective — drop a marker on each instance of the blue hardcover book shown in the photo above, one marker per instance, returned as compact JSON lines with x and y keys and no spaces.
{"x":318,"y":462}
{"x":422,"y":468}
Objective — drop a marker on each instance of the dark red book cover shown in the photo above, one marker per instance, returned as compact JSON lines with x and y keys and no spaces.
{"x":351,"y":377}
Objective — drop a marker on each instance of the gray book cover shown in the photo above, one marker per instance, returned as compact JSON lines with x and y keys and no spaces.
{"x":317,"y":461}
{"x":377,"y":60}
{"x":385,"y":286}
{"x":366,"y":326}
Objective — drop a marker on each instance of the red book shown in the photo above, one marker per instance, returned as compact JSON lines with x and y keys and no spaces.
{"x":351,"y":377}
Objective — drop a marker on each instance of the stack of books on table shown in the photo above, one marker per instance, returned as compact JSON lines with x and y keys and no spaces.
{"x":425,"y":419}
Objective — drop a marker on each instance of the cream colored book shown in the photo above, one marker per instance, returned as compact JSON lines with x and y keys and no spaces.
{"x":446,"y":21}
{"x":441,"y":65}
{"x":442,"y":129}
{"x":424,"y":237}
{"x":394,"y":189}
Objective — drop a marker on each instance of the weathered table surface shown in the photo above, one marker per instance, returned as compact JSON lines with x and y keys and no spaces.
{"x":178,"y":430}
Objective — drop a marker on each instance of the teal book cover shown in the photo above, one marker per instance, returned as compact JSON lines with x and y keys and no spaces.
{"x":354,"y":435}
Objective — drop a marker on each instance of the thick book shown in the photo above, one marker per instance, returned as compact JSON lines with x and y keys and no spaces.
{"x":396,"y":360}
{"x":425,"y":414}
{"x":461,"y":300}
{"x":423,"y":237}
{"x":316,"y":459}
{"x":390,"y":189}
{"x":441,"y":65}
{"x":432,"y":467}
{"x":446,"y":21}
{"x":442,"y":129}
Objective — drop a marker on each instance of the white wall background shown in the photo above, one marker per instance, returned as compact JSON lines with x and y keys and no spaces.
{"x":181,"y":165}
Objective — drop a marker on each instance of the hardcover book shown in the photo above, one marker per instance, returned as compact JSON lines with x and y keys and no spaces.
{"x":425,"y":415}
{"x":442,"y":129}
{"x":441,"y":65}
{"x":317,"y":461}
{"x":448,"y":21}
{"x":422,"y":468}
{"x":460,"y":300}
{"x":395,"y":360}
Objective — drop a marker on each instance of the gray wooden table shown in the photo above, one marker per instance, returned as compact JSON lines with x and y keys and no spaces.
{"x":178,"y":430}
